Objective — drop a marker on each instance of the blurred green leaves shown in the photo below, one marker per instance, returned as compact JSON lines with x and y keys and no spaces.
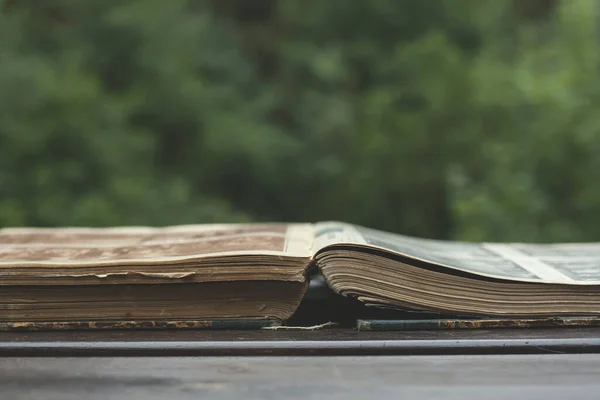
{"x":475,"y":120}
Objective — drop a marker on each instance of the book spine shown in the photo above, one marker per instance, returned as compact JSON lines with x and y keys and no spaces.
{"x":226,"y":323}
{"x":437,"y":324}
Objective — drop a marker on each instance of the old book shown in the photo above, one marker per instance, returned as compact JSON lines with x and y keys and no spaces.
{"x":256,"y":274}
{"x":145,"y":277}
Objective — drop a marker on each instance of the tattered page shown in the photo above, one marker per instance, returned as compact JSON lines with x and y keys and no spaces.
{"x":577,"y":263}
{"x":212,"y":251}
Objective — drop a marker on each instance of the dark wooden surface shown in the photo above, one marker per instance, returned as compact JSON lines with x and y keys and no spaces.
{"x":164,"y":335}
{"x":332,"y":364}
{"x":324,"y":342}
{"x":553,"y":376}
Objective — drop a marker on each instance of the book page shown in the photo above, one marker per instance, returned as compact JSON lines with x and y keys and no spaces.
{"x":140,"y":245}
{"x":545,"y":263}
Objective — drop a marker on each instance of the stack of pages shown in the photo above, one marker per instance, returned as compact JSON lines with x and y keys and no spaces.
{"x":222,"y":275}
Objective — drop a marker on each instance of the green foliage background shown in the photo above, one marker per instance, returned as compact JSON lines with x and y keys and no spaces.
{"x":467,"y":119}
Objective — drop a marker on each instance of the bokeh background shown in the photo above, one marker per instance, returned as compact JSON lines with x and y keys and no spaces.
{"x":465,"y":119}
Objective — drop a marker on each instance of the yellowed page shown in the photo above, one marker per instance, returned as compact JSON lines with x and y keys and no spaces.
{"x":142,"y":245}
{"x":577,"y":263}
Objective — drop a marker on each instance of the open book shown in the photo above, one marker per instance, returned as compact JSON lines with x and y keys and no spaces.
{"x":202,"y":275}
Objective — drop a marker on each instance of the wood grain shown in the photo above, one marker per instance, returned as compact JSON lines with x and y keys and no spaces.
{"x":435,"y":377}
{"x":325,"y":343}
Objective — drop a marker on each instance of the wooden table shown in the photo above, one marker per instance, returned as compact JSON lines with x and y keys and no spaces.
{"x":332,"y":364}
